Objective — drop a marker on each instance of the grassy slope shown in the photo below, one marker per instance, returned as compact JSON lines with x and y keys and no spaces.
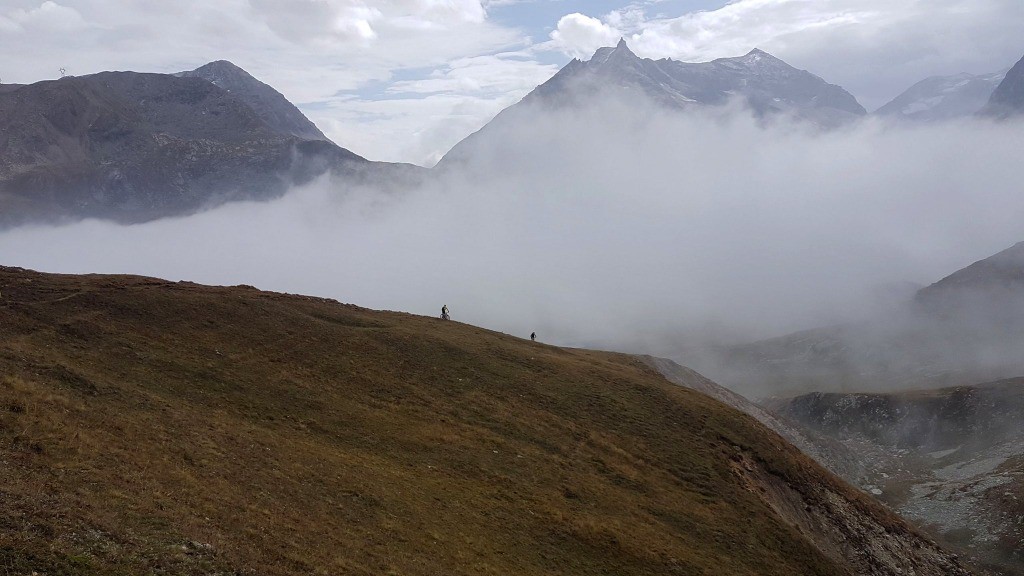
{"x":147,"y":426}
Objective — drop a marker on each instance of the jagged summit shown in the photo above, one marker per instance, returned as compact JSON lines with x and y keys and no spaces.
{"x":768,"y":83}
{"x":620,"y":52}
{"x":765,"y":84}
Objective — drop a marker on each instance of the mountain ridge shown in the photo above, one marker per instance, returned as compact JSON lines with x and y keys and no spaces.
{"x":269,"y":104}
{"x":766,"y":85}
{"x":132,"y":147}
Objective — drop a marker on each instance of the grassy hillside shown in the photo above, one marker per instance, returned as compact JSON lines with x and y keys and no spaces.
{"x":171,"y":428}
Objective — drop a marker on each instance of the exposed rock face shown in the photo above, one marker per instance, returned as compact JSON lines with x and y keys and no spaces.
{"x":132,"y":147}
{"x":943,"y":98}
{"x":951,"y":459}
{"x":765,"y":84}
{"x":270,"y":105}
{"x":1008,"y":98}
{"x":844,"y":532}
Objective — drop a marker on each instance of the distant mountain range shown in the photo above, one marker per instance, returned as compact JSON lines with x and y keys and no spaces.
{"x":766,"y":85}
{"x":132,"y":147}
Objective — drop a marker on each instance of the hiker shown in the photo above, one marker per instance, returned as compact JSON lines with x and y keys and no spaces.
{"x":444,"y":313}
{"x":533,"y":336}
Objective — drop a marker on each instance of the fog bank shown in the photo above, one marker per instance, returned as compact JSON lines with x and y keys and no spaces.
{"x":614,"y":227}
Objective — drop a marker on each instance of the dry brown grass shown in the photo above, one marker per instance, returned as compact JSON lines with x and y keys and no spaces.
{"x":154,"y":427}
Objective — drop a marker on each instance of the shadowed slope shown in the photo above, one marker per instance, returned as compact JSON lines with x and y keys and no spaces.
{"x":154,"y":427}
{"x":1008,"y":98}
{"x":133,"y":147}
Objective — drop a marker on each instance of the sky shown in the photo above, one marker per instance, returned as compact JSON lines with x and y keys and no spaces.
{"x":405,"y":80}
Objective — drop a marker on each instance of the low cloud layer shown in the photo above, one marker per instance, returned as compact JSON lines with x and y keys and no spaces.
{"x":614,"y":227}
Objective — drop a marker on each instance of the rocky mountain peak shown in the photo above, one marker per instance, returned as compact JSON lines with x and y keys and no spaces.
{"x":620,"y":53}
{"x":766,"y":84}
{"x":272,"y":107}
{"x":758,"y":55}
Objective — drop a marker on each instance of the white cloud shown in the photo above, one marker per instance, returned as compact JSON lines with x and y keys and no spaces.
{"x":418,"y":130}
{"x":480,"y":74}
{"x":579,"y":35}
{"x":49,"y":15}
{"x":614,"y":226}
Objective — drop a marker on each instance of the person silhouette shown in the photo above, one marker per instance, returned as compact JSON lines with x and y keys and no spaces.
{"x":444,"y":312}
{"x":533,"y":336}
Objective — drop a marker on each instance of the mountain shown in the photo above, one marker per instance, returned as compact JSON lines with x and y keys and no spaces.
{"x":1008,"y":98}
{"x":132,"y":147}
{"x":950,"y":459}
{"x":967,"y":327}
{"x":943,"y":98}
{"x":270,"y":105}
{"x":765,"y":84}
{"x":997,"y":277}
{"x":152,"y":427}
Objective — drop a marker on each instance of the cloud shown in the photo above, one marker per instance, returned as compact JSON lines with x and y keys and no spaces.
{"x":614,"y":226}
{"x":492,"y":74}
{"x":579,"y":35}
{"x":48,"y":16}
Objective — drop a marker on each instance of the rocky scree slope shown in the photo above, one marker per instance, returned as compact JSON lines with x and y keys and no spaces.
{"x":157,"y":427}
{"x":950,"y":459}
{"x":132,"y":147}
